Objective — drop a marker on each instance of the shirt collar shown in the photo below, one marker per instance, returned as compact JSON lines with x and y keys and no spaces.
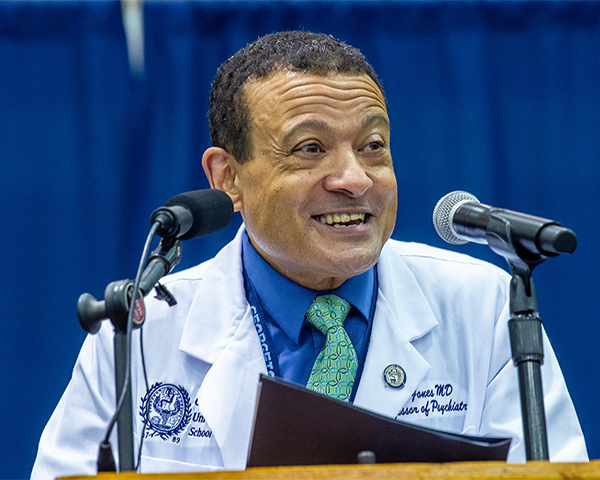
{"x":287,"y":302}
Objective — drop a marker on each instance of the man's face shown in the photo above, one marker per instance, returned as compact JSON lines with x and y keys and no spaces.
{"x":319,"y":195}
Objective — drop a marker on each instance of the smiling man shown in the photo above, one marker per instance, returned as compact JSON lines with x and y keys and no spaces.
{"x":312,"y":289}
{"x":320,"y":200}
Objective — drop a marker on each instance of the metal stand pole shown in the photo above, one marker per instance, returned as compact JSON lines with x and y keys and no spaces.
{"x":525,"y":327}
{"x":125,"y":416}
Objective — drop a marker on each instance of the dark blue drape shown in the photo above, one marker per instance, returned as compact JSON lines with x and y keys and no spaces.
{"x":498,"y":98}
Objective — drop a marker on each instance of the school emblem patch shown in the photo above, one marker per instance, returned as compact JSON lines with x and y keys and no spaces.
{"x":167,"y":408}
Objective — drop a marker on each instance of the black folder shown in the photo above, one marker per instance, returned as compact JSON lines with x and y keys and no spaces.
{"x":295,"y":426}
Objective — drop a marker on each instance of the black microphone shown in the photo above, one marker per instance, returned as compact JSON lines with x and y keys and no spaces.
{"x":185,"y":216}
{"x":459,"y":218}
{"x":193,"y":214}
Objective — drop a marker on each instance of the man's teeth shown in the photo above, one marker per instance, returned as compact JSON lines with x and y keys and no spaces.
{"x":343,"y":219}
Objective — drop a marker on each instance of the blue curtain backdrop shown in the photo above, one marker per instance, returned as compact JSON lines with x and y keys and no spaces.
{"x":501,"y":99}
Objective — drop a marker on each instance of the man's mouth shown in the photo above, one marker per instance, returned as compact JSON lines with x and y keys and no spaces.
{"x":342,"y":219}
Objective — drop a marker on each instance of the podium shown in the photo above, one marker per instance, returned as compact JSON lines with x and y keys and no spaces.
{"x":386,"y":471}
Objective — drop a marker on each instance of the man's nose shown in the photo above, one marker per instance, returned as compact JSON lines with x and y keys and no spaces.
{"x":348,"y":175}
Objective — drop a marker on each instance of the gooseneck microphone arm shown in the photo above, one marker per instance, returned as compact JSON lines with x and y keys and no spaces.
{"x":117,"y":295}
{"x":524,"y":241}
{"x":184,"y":217}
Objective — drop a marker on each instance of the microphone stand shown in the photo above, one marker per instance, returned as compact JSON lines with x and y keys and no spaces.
{"x":184,"y":217}
{"x":118,"y":314}
{"x":115,"y":306}
{"x":525,"y":329}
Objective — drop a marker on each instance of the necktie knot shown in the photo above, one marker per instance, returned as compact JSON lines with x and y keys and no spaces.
{"x":327,"y":311}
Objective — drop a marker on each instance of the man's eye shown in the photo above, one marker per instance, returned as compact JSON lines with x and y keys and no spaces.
{"x":311,"y":148}
{"x":373,"y":146}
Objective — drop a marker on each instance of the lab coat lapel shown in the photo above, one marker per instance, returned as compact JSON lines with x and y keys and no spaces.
{"x":402,"y":315}
{"x":220,"y":331}
{"x":232,"y":380}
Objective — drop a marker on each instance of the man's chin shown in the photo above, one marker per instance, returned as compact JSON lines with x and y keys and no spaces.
{"x":348,"y":263}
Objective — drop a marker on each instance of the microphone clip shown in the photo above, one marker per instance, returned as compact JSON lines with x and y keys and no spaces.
{"x":163,"y":293}
{"x":521,"y":261}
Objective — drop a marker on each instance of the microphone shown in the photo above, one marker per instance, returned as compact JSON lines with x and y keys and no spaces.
{"x":185,"y":216}
{"x":459,"y":218}
{"x":193,"y":214}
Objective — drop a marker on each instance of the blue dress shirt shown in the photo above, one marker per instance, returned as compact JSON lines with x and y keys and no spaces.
{"x":284,"y":303}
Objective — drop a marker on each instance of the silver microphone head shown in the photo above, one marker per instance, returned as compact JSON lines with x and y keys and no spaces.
{"x":443,"y":214}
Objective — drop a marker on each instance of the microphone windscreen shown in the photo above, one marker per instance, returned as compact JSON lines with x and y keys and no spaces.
{"x":211,"y":209}
{"x":443,"y":214}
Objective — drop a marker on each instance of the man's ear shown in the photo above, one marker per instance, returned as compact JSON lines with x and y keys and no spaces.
{"x":221,"y":169}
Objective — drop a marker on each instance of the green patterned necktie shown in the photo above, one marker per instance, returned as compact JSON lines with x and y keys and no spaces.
{"x":335,"y":368}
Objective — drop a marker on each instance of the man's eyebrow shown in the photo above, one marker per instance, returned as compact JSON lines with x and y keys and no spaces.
{"x":314,"y":125}
{"x":374,"y":120}
{"x":308,"y":126}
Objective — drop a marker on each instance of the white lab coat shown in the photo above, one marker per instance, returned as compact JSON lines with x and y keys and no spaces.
{"x":440,"y":315}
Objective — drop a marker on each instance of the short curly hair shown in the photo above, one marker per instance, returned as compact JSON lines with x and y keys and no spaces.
{"x":296,"y":51}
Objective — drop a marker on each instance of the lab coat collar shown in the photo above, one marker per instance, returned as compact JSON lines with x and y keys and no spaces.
{"x":403,"y":293}
{"x":212,"y":321}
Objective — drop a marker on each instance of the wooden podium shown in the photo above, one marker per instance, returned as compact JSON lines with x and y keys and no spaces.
{"x":389,"y":471}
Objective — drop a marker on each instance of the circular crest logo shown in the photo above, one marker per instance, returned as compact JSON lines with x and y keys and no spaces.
{"x":394,"y":376}
{"x":167,"y":410}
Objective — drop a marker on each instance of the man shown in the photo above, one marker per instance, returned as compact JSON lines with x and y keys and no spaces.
{"x":301,"y":144}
